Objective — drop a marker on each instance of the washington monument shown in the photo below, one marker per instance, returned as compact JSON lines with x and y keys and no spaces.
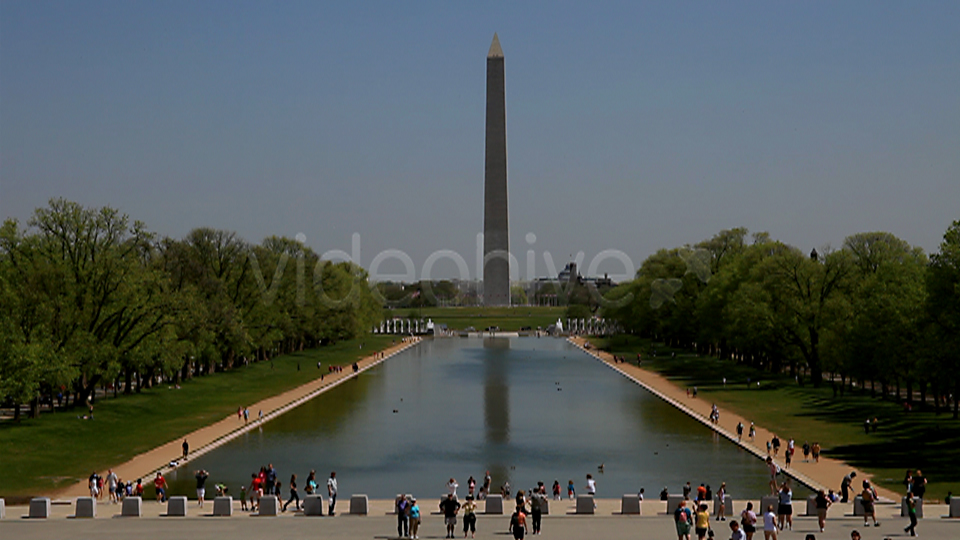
{"x":496,"y":232}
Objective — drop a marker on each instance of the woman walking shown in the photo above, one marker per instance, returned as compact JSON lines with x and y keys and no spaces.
{"x":822,"y":503}
{"x":785,"y":506}
{"x":684,"y":519}
{"x":703,"y":521}
{"x":769,"y":524}
{"x":294,"y":496}
{"x":721,"y":502}
{"x":748,"y":519}
{"x":868,"y":498}
{"x":414,"y":519}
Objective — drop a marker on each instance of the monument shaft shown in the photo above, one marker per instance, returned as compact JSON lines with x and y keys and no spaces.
{"x":496,"y":232}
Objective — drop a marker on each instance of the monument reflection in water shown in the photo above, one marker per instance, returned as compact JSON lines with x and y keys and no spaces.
{"x":526,"y":409}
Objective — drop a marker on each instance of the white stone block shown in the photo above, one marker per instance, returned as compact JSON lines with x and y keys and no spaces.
{"x":629,"y":504}
{"x":313,"y":505}
{"x":223,"y":506}
{"x":812,"y":505}
{"x":40,"y":508}
{"x":858,"y":506}
{"x":493,"y":504}
{"x":765,"y":501}
{"x":359,"y":505}
{"x":132,"y":507}
{"x":585,"y":504}
{"x":954,"y":507}
{"x":269,"y":506}
{"x":545,"y":506}
{"x":903,"y":507}
{"x":673,"y":502}
{"x":3,"y":509}
{"x":177,"y":506}
{"x":86,"y":507}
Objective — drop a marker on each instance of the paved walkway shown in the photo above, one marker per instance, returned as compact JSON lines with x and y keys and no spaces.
{"x":207,"y":438}
{"x":605,"y":525}
{"x":826,"y":474}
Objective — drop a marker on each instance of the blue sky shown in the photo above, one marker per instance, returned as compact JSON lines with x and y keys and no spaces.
{"x":631,"y":125}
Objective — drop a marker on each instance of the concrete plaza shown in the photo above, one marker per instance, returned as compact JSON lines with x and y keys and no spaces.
{"x":379,"y":524}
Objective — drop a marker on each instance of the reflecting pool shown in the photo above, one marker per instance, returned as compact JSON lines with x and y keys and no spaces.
{"x":526,"y":409}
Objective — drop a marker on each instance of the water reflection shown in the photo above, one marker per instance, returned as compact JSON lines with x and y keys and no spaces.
{"x":527,"y":410}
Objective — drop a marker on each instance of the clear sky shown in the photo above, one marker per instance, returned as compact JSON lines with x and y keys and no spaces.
{"x":631,"y":125}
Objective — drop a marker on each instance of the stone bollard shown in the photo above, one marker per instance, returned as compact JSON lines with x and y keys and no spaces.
{"x":954,"y":507}
{"x":727,"y":503}
{"x":313,"y":505}
{"x":673,"y":502}
{"x":358,"y":505}
{"x":903,"y":507}
{"x":766,"y":501}
{"x":585,"y":504}
{"x":40,"y":508}
{"x":269,"y":506}
{"x":86,"y":507}
{"x":177,"y":506}
{"x":858,"y":506}
{"x":132,"y":507}
{"x":223,"y":506}
{"x":3,"y":509}
{"x":545,"y":506}
{"x":812,"y":505}
{"x":629,"y":504}
{"x":494,"y":504}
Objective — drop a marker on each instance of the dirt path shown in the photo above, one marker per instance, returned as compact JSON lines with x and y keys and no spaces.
{"x":205,"y":439}
{"x":826,"y":474}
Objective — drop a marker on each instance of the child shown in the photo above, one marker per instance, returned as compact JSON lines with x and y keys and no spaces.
{"x":571,"y":493}
{"x":243,"y":498}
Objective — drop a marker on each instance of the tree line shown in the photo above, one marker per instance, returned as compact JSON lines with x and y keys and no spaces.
{"x":876,"y":311}
{"x":90,"y":299}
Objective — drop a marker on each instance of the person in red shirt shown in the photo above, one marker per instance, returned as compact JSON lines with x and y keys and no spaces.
{"x":160,"y":483}
{"x":256,"y":491}
{"x":138,"y":491}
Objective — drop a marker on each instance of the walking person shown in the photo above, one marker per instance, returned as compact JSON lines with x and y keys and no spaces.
{"x":722,"y":502}
{"x":683,"y":520}
{"x":919,"y":485}
{"x":739,"y":431}
{"x":537,"y":502}
{"x":556,"y":490}
{"x":469,"y":517}
{"x":414,"y":519}
{"x":772,"y":475}
{"x":785,"y":506}
{"x":702,"y":521}
{"x":201,"y":485}
{"x":403,"y":521}
{"x":112,"y":481}
{"x":160,"y":485}
{"x":823,"y":503}
{"x":753,"y":432}
{"x":571,"y":492}
{"x":332,"y":492}
{"x":518,"y":523}
{"x":748,"y":520}
{"x":912,"y":514}
{"x":867,"y":499}
{"x":735,"y":532}
{"x":769,"y":524}
{"x":294,"y":496}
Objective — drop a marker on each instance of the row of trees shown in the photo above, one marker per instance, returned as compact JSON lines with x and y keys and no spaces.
{"x":877,"y":310}
{"x":88,"y":298}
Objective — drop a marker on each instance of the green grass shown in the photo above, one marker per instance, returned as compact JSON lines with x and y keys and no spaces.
{"x":509,"y":319}
{"x":51,"y":452}
{"x":915,"y":440}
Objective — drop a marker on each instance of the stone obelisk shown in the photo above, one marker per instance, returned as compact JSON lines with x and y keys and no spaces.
{"x":496,"y":233}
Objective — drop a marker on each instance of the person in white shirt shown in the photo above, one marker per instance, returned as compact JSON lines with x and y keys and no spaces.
{"x":769,"y":524}
{"x":332,"y":492}
{"x":452,"y":486}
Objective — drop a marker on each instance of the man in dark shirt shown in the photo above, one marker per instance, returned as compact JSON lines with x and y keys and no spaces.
{"x":201,"y":483}
{"x":919,"y":485}
{"x":270,"y":479}
{"x":449,"y":507}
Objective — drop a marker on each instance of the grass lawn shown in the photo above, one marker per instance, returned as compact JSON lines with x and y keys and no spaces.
{"x":509,"y":319}
{"x":915,"y":440}
{"x":57,"y":449}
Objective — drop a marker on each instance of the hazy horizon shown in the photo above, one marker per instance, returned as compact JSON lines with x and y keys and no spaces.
{"x":630,"y":126}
